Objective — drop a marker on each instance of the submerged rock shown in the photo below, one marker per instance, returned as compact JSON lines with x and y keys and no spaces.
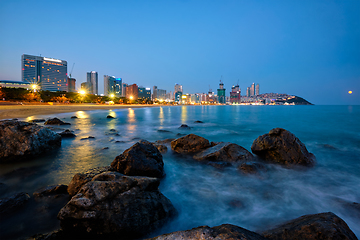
{"x":80,"y":179}
{"x":190,"y":143}
{"x":113,"y":204}
{"x":141,"y":159}
{"x":109,"y":116}
{"x":19,"y":140}
{"x":224,"y":152}
{"x":74,"y":117}
{"x":13,"y":203}
{"x":281,"y":146}
{"x":184,"y":126}
{"x":51,"y":191}
{"x":37,"y":120}
{"x":314,"y":226}
{"x":251,"y":168}
{"x":67,"y":134}
{"x":86,"y":138}
{"x":161,"y":147}
{"x":55,"y":121}
{"x":222,"y":232}
{"x":198,"y":121}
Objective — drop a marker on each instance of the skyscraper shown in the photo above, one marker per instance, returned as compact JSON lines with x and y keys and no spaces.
{"x":178,"y":91}
{"x":49,"y":73}
{"x":252,"y":90}
{"x":221,"y":93}
{"x":248,"y":92}
{"x":257,"y":89}
{"x":112,"y":85}
{"x":92,"y":80}
{"x":235,"y":94}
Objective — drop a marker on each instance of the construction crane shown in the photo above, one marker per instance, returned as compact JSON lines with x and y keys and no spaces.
{"x":72,"y":70}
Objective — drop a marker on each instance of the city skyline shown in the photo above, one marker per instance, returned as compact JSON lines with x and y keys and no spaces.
{"x":308,"y":49}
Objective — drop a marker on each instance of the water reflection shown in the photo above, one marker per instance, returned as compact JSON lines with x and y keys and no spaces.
{"x":131,"y":119}
{"x":112,"y":123}
{"x":183,"y":114}
{"x":161,"y":116}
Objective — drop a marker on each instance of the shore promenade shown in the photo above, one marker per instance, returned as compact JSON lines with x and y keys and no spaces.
{"x":10,"y":111}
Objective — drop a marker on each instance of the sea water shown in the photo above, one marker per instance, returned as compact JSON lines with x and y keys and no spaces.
{"x":203,"y":194}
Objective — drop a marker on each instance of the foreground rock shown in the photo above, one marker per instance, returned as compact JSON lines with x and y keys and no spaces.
{"x":19,"y":140}
{"x":190,"y":143}
{"x":80,"y":179}
{"x":225,"y":231}
{"x":13,"y":203}
{"x":315,"y":226}
{"x":224,"y":152}
{"x":113,"y":204}
{"x":281,"y":146}
{"x":141,"y":159}
{"x":67,"y":134}
{"x":55,"y":121}
{"x":51,"y":191}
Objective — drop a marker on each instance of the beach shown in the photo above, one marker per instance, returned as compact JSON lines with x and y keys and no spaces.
{"x":13,"y":110}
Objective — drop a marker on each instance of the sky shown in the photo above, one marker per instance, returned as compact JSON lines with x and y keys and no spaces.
{"x":307,"y":48}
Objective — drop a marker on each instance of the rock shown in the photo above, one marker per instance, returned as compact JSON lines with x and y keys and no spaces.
{"x":13,"y":203}
{"x":86,"y":138}
{"x":104,"y":148}
{"x":222,"y":232}
{"x":55,"y":121}
{"x":19,"y":140}
{"x":190,"y":143}
{"x":251,"y":168}
{"x":67,"y":134}
{"x":141,"y":159}
{"x":163,"y":131}
{"x":80,"y":179}
{"x":165,"y":141}
{"x":198,"y":121}
{"x":314,"y":226}
{"x":115,"y":205}
{"x":161,"y":147}
{"x":184,"y":126}
{"x":109,"y":116}
{"x":180,"y":134}
{"x":51,"y":191}
{"x":73,"y":117}
{"x":224,"y":152}
{"x":282,"y":147}
{"x":37,"y":120}
{"x":120,"y":141}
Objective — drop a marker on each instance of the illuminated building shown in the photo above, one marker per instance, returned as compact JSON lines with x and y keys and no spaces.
{"x":71,"y":85}
{"x":92,"y":80}
{"x":15,"y":84}
{"x":112,"y":85}
{"x":235,"y":95}
{"x":221,"y":93}
{"x":48,"y":73}
{"x":178,"y":91}
{"x":144,"y":93}
{"x":132,"y":92}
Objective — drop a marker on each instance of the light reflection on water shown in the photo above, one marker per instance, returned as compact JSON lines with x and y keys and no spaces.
{"x":208,"y":196}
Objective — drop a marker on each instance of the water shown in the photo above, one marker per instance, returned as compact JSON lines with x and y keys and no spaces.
{"x":202,"y":194}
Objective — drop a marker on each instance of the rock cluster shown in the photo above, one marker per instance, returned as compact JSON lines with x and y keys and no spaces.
{"x":19,"y":140}
{"x":55,"y":121}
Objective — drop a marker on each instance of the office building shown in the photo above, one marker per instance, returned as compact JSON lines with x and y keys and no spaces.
{"x":112,"y":85}
{"x":71,"y":85}
{"x":48,"y":73}
{"x":15,"y":84}
{"x":221,"y":93}
{"x":144,"y":93}
{"x":123,"y":89}
{"x":132,"y":92}
{"x":154,"y":95}
{"x":247,"y":92}
{"x":92,"y":80}
{"x":235,"y":95}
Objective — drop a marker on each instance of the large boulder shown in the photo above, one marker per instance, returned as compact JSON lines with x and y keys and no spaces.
{"x":222,"y":232}
{"x":190,"y":143}
{"x":19,"y":140}
{"x":314,"y":226}
{"x":113,"y":204}
{"x":56,"y":121}
{"x":282,"y":147}
{"x":80,"y":179}
{"x":224,"y":152}
{"x":141,"y":159}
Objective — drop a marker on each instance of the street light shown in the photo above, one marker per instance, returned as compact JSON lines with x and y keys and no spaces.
{"x":82,"y":92}
{"x":34,"y":87}
{"x":131,"y":97}
{"x":112,"y":95}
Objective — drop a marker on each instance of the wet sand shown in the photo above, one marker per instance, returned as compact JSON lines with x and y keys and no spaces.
{"x":11,"y":111}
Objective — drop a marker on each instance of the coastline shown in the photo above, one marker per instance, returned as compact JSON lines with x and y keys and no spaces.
{"x":23,"y":111}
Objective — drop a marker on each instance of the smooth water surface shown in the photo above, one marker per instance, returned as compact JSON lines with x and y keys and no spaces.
{"x":205,"y":195}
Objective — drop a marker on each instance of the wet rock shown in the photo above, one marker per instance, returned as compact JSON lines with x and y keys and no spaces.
{"x":55,"y":121}
{"x":115,"y":205}
{"x":13,"y":203}
{"x":314,"y":226}
{"x":120,"y":141}
{"x":161,"y":147}
{"x":19,"y":140}
{"x":80,"y":179}
{"x":104,"y":148}
{"x":251,"y":168}
{"x":74,"y":117}
{"x":54,"y":190}
{"x":184,"y":126}
{"x":141,"y":159}
{"x":135,"y":138}
{"x":67,"y":134}
{"x":198,"y":121}
{"x":215,"y":143}
{"x":222,"y":232}
{"x":224,"y":152}
{"x":190,"y":143}
{"x":86,"y":138}
{"x":37,"y":120}
{"x":282,"y":147}
{"x":109,"y":116}
{"x":163,"y":131}
{"x":180,"y":134}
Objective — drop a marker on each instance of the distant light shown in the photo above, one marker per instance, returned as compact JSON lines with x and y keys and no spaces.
{"x":52,"y":59}
{"x":82,"y":92}
{"x":350,"y":92}
{"x":131,"y":97}
{"x":34,"y":86}
{"x":148,"y":88}
{"x":112,"y":95}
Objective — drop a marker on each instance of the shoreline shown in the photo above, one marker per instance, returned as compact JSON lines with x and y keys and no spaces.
{"x":24,"y":111}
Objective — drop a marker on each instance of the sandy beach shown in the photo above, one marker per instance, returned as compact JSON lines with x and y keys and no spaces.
{"x":10,"y":111}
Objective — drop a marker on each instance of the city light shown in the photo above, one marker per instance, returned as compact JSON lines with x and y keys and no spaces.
{"x":82,"y":92}
{"x":131,"y":97}
{"x":350,"y":92}
{"x":112,"y":95}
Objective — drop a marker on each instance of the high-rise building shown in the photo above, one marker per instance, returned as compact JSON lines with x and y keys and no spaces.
{"x":257,"y":89}
{"x":154,"y":95}
{"x":112,"y":85}
{"x":248,"y":92}
{"x":49,"y":73}
{"x":71,"y":85}
{"x":221,"y":93}
{"x":123,"y":89}
{"x":252,"y":90}
{"x":144,"y":93}
{"x":235,"y":95}
{"x":178,"y":92}
{"x":92,"y":80}
{"x":132,"y":92}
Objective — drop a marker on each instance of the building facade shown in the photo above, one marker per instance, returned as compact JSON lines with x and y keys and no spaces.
{"x":178,"y":92}
{"x":257,"y":90}
{"x":48,"y":73}
{"x":252,"y":90}
{"x":235,"y":95}
{"x":71,"y":85}
{"x":92,"y":80}
{"x":221,"y":93}
{"x":144,"y":93}
{"x":132,"y":92}
{"x":15,"y":84}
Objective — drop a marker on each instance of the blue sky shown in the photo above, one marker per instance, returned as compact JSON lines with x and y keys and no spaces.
{"x":306,"y":48}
